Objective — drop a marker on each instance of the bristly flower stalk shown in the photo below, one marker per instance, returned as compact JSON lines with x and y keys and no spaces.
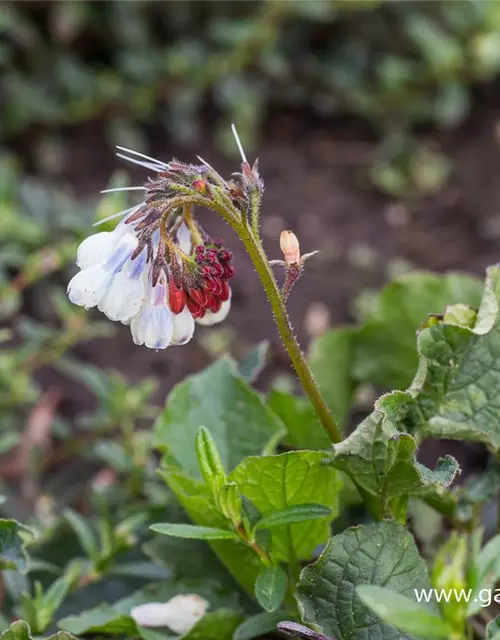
{"x":161,"y":272}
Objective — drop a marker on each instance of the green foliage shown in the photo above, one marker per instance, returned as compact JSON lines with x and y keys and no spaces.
{"x":12,"y":545}
{"x":270,"y":587}
{"x":386,"y":356}
{"x":250,"y":488}
{"x":20,"y":630}
{"x":403,"y":612}
{"x":382,"y":554}
{"x":382,"y":461}
{"x":214,"y":399}
{"x":275,"y":483}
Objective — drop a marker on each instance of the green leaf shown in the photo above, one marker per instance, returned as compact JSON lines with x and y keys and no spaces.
{"x":330,"y":358}
{"x":216,"y":625}
{"x":103,"y":619}
{"x":192,"y":531}
{"x":270,"y":587}
{"x":382,"y":461}
{"x":197,"y":500}
{"x":385,"y":347}
{"x":288,"y":480}
{"x":487,"y":571}
{"x":301,"y":420}
{"x":381,"y":554}
{"x":20,"y":630}
{"x":259,"y":625}
{"x":83,"y":531}
{"x":404,"y":613}
{"x":290,"y":515}
{"x":56,"y":593}
{"x":453,"y":394}
{"x":12,"y":545}
{"x":219,"y":399}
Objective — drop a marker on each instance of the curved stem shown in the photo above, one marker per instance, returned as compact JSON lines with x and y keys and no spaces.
{"x":285,"y":329}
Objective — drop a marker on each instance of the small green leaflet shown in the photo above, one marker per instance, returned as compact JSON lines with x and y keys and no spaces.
{"x":192,"y":531}
{"x":270,"y":587}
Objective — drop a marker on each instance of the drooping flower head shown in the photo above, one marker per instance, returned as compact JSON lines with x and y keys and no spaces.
{"x":158,"y":270}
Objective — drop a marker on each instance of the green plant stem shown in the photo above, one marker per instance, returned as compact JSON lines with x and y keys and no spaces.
{"x":285,"y":329}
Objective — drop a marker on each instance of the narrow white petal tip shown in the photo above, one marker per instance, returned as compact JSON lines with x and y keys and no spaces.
{"x":238,"y":143}
{"x":180,"y":614}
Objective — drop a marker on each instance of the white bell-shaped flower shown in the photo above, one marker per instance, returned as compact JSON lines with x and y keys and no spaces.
{"x":153,"y":326}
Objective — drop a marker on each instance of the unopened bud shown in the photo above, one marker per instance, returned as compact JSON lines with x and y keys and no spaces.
{"x":230,"y":502}
{"x":290,"y":247}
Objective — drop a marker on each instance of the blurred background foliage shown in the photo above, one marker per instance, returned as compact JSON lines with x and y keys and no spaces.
{"x":398,"y":65}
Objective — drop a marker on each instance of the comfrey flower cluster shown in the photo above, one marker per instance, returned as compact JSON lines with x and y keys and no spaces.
{"x":158,"y":270}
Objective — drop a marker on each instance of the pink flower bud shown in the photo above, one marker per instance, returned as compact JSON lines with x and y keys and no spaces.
{"x":290,"y":247}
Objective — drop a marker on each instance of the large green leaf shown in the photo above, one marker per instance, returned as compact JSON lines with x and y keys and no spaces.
{"x":219,"y":399}
{"x":20,"y":630}
{"x":381,"y":554}
{"x":198,"y":502}
{"x":12,"y":541}
{"x":385,"y":347}
{"x":277,"y":482}
{"x":330,"y":358}
{"x":382,"y":461}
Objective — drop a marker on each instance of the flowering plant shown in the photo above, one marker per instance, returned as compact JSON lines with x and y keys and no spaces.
{"x":264,"y":514}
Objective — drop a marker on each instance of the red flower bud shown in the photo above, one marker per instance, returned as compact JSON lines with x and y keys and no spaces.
{"x":176,"y":297}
